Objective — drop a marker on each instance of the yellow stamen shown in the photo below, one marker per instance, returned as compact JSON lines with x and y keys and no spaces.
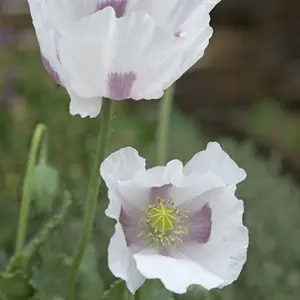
{"x":164,"y":221}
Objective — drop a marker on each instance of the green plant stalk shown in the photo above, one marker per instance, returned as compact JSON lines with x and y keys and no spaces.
{"x":93,"y":192}
{"x":40,"y":131}
{"x":39,"y":239}
{"x":163,"y":125}
{"x":45,"y":232}
{"x":43,"y":155}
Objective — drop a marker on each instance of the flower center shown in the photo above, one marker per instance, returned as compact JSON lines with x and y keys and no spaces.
{"x":165,"y":222}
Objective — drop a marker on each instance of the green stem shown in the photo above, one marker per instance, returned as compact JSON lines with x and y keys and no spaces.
{"x":93,"y":192}
{"x":39,"y":239}
{"x":43,"y":155}
{"x":2,"y":296}
{"x":40,"y":131}
{"x":163,"y":126}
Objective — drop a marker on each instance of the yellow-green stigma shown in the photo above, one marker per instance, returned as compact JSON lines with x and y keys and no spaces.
{"x":165,"y":222}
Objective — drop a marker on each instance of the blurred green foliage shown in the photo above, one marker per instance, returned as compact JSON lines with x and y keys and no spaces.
{"x":272,"y":202}
{"x":15,"y":287}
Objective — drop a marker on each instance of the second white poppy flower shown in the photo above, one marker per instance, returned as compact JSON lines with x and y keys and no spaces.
{"x":182,"y":225}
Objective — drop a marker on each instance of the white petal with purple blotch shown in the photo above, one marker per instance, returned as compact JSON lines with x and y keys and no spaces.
{"x":119,"y":58}
{"x":48,"y":40}
{"x":224,"y":254}
{"x":121,"y":262}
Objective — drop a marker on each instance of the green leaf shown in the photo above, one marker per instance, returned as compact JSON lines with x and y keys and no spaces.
{"x":45,"y":185}
{"x":154,"y":290}
{"x":118,"y":290}
{"x":15,"y":287}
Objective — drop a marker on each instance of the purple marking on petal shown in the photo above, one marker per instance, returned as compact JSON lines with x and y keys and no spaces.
{"x":118,"y":5}
{"x":51,"y":71}
{"x":120,"y":85}
{"x":129,"y":228}
{"x":161,"y":192}
{"x":200,"y":225}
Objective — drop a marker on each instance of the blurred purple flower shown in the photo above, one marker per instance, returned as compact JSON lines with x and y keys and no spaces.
{"x":6,"y":37}
{"x":7,"y":93}
{"x":7,"y":97}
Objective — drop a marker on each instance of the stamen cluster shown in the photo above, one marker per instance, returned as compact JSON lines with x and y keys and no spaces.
{"x":165,"y":222}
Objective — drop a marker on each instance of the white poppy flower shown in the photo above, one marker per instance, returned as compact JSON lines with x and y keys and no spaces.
{"x":119,"y":49}
{"x":180,"y":224}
